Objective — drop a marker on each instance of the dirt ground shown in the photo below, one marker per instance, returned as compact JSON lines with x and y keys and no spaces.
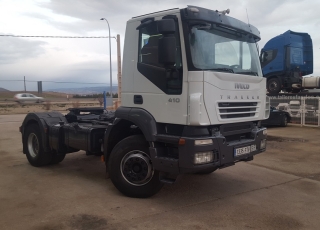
{"x":279,"y":189}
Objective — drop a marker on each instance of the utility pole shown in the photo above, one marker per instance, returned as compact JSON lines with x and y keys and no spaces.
{"x":119,"y":69}
{"x":110,"y":59}
{"x":25,"y":88}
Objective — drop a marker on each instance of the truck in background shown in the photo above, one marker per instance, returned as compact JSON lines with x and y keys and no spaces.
{"x":193,"y":97}
{"x":285,"y":59}
{"x":295,"y":109}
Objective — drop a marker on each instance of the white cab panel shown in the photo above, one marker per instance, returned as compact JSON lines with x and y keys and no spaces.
{"x":130,"y":54}
{"x":197,"y":114}
{"x":226,"y":104}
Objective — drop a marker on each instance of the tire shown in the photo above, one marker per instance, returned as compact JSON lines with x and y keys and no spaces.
{"x":284,"y":121}
{"x":130,"y":168}
{"x":274,"y":86}
{"x":207,"y":171}
{"x":32,"y":141}
{"x":57,"y":158}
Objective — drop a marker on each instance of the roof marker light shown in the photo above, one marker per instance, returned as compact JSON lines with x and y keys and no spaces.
{"x":194,"y":10}
{"x":224,"y":12}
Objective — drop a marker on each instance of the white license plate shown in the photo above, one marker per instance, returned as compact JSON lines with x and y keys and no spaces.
{"x":245,"y":150}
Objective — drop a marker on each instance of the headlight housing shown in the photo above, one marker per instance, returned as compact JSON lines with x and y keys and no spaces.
{"x":203,"y":157}
{"x":265,"y":132}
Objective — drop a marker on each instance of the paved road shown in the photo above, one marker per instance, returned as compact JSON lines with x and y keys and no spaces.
{"x":280,"y":189}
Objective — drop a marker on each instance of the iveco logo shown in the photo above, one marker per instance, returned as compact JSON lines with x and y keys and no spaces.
{"x":241,"y":86}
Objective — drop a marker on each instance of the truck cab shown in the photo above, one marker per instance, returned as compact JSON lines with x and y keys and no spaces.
{"x":295,"y":108}
{"x":193,"y":97}
{"x":285,"y":59}
{"x":200,"y":69}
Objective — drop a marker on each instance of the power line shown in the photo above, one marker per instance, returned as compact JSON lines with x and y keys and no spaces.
{"x":62,"y":82}
{"x":43,"y":36}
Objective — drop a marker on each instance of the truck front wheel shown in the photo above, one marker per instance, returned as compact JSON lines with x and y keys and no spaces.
{"x":131,"y":170}
{"x":274,"y":86}
{"x":35,"y":153}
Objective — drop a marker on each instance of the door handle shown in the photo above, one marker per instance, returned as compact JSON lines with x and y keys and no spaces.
{"x":138,"y":99}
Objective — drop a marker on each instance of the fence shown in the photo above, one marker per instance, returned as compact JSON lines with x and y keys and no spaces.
{"x":303,"y":110}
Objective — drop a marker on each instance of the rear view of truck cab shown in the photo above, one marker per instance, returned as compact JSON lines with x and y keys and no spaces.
{"x":193,"y":97}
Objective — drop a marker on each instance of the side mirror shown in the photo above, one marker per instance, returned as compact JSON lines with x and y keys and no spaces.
{"x":167,"y":51}
{"x":167,"y":44}
{"x":166,"y":26}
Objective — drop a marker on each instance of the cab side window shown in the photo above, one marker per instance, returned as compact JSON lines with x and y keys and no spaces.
{"x":267,"y":56}
{"x":169,"y":80}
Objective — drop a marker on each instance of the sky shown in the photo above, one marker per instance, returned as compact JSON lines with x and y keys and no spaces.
{"x":87,"y":60}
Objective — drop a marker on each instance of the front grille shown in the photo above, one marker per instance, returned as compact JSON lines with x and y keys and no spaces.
{"x":236,"y":127}
{"x":237,"y":104}
{"x":229,"y":110}
{"x":239,"y":137}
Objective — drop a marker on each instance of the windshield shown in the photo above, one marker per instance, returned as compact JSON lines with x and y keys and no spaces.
{"x":224,"y":50}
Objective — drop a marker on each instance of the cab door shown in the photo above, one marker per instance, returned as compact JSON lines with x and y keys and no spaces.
{"x":159,"y":84}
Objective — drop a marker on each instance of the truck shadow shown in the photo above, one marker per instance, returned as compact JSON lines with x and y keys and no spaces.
{"x":189,"y":188}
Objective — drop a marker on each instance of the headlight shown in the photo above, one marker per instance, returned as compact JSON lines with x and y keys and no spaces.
{"x":203,"y":157}
{"x":203,"y":142}
{"x":265,"y":132}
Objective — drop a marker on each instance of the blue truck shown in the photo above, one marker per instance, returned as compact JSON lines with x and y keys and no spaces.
{"x":285,"y":59}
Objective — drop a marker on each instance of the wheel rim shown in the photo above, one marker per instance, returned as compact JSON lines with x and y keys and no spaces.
{"x":136,"y":168}
{"x":273,"y":85}
{"x":33,"y":145}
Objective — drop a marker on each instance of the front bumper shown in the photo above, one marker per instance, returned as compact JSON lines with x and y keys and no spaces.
{"x":223,"y":150}
{"x":295,"y":114}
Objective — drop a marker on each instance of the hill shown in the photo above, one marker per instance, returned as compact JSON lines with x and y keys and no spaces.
{"x":4,"y":90}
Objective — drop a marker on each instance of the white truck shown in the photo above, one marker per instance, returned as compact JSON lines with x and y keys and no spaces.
{"x":193,"y":96}
{"x":296,"y":109}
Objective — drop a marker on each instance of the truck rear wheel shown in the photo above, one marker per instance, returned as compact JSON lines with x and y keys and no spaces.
{"x":274,"y":86}
{"x":57,"y":158}
{"x":35,"y":153}
{"x":130,"y":168}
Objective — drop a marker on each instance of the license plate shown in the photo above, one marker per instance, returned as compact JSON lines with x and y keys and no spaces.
{"x":245,"y":150}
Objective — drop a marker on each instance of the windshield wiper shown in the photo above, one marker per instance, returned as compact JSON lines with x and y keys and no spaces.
{"x":223,"y":70}
{"x":249,"y":72}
